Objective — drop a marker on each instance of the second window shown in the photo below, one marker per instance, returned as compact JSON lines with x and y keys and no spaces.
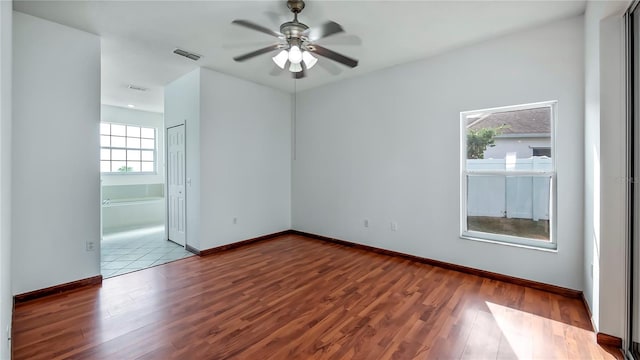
{"x":508,"y":174}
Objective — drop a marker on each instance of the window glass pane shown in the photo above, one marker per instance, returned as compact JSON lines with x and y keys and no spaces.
{"x":507,"y":135}
{"x":133,"y":155}
{"x":147,"y":155}
{"x":117,"y":154}
{"x":542,"y":151}
{"x":509,"y":205}
{"x":147,"y":144}
{"x":485,"y":195}
{"x":119,"y":166}
{"x":105,"y":128}
{"x":147,"y":166}
{"x":133,"y":143}
{"x":148,"y":133}
{"x":105,"y":166}
{"x":119,"y":130}
{"x":133,"y":166}
{"x":133,"y":131}
{"x":120,"y":148}
{"x":118,"y":141}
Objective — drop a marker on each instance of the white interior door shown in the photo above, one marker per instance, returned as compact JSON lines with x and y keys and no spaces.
{"x":176,"y":184}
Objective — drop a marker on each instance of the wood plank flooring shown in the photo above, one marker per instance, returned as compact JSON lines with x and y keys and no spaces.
{"x":297,"y":298}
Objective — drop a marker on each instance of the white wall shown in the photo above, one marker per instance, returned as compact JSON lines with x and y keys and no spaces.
{"x":595,"y":190}
{"x":6,"y":298}
{"x":238,"y":156}
{"x":56,"y":176}
{"x":245,"y":149}
{"x":613,"y":242}
{"x":120,"y":115}
{"x":385,"y":147}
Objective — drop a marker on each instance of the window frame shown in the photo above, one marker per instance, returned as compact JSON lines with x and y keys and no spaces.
{"x":155,"y":150}
{"x":550,"y":245}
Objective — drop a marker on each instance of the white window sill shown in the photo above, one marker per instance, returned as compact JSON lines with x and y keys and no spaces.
{"x":549,"y":247}
{"x":127,"y":173}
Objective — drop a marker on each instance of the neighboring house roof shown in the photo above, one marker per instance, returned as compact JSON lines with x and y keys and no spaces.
{"x":530,"y":121}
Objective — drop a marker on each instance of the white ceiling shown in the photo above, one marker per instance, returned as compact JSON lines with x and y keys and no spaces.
{"x":138,"y":37}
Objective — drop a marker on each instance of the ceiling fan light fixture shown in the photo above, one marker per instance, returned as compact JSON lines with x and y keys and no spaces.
{"x":309,"y":60}
{"x":295,"y":67}
{"x":281,"y":59}
{"x":295,"y":55}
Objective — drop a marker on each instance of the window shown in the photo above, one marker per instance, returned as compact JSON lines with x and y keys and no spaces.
{"x":508,"y":174}
{"x":127,"y":149}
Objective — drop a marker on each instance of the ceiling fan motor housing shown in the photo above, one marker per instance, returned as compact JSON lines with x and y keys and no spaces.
{"x":293,"y":29}
{"x":295,"y":6}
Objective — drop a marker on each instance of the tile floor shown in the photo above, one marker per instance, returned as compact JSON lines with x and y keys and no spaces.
{"x":132,"y":250}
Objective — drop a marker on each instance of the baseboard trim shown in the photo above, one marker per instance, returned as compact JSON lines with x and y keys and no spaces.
{"x":608,"y":340}
{"x":238,"y":244}
{"x":57,"y":289}
{"x":468,"y":270}
{"x":191,"y":249}
{"x":585,"y":303}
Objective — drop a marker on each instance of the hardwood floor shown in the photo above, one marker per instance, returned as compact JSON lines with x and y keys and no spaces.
{"x":297,"y":298}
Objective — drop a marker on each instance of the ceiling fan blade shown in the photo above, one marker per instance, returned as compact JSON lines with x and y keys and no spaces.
{"x":344,"y":60}
{"x":343,"y":40}
{"x":253,"y":26}
{"x":257,"y":52}
{"x":325,"y":30}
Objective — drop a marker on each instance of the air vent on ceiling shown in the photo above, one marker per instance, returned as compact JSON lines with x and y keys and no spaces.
{"x":187,"y":54}
{"x":136,"y":88}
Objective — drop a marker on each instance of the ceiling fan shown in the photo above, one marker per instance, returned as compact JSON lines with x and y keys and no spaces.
{"x":297,"y":43}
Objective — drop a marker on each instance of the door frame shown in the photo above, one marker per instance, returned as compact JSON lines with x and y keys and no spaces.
{"x":632,"y":167}
{"x":166,"y":184}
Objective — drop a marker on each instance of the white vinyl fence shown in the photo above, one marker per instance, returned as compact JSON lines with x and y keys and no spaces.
{"x":512,"y":196}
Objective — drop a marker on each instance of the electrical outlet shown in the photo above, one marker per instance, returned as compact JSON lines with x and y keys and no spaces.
{"x":366,"y":223}
{"x":235,"y":220}
{"x":394,"y":226}
{"x":90,"y":246}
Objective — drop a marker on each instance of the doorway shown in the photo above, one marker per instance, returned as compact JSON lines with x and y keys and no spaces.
{"x":134,"y":209}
